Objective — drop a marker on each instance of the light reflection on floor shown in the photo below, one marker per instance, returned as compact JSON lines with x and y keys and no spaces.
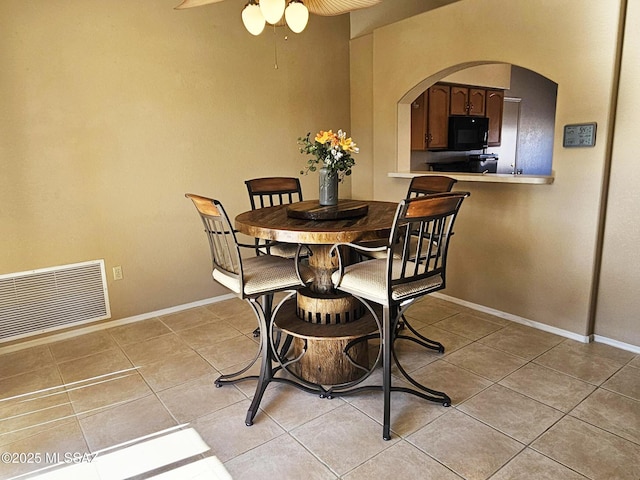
{"x":172,"y":454}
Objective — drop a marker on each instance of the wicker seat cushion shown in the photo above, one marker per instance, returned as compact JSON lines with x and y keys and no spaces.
{"x":368,"y":280}
{"x":263,"y":274}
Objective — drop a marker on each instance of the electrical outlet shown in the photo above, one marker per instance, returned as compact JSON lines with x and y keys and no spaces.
{"x":117,"y":273}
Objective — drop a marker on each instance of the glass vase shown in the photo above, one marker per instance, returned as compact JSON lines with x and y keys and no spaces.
{"x":328,"y":186}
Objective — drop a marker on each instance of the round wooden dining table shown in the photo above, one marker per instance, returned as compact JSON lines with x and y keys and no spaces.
{"x":324,"y":321}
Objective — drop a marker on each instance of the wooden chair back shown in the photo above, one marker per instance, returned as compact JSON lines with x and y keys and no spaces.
{"x":430,"y":184}
{"x":270,"y":191}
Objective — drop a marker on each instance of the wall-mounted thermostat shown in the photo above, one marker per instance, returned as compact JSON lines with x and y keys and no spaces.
{"x":579,"y":135}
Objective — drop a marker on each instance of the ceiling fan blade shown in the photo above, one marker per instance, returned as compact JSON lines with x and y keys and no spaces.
{"x":194,"y":3}
{"x":329,"y":8}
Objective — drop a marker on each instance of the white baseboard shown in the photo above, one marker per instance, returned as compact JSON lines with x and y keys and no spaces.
{"x":616,"y":343}
{"x":110,"y":324}
{"x":207,"y":301}
{"x":540,"y":326}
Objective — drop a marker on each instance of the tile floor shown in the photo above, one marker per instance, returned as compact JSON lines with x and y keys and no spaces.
{"x":526,"y":405}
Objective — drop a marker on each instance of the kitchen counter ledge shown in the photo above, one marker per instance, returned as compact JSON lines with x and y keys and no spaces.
{"x":479,"y":177}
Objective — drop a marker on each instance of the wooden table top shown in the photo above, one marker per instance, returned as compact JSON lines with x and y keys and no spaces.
{"x":273,"y":223}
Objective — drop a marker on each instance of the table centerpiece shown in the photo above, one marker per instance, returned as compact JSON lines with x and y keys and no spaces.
{"x":332,"y":153}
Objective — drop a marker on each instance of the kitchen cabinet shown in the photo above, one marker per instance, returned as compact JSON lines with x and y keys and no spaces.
{"x":493,"y":111}
{"x":430,"y":113}
{"x":419,"y":123}
{"x":438,"y":117}
{"x":430,"y":119}
{"x":467,"y":101}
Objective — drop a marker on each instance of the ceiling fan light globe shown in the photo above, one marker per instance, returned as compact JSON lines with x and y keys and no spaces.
{"x":297,"y":16}
{"x":272,"y":10}
{"x":253,"y":19}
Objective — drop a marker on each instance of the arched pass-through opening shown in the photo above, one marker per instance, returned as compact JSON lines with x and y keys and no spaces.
{"x":527,"y":120}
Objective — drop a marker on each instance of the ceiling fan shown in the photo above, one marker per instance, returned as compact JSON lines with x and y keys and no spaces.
{"x":257,"y":13}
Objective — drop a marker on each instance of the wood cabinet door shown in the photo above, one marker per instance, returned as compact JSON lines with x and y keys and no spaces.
{"x":476,"y":101}
{"x":459,"y":100}
{"x":438,"y":117}
{"x":494,"y":107}
{"x":419,"y":123}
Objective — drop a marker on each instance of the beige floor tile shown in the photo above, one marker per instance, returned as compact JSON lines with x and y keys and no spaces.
{"x":456,"y":382}
{"x":635,"y":362}
{"x":226,"y":433}
{"x":468,"y":326}
{"x":548,"y":386}
{"x":428,"y":313}
{"x":175,"y":370}
{"x":291,"y":407}
{"x":236,"y":350}
{"x":582,"y":365}
{"x":408,"y":412}
{"x":30,"y":382}
{"x":451,"y":341}
{"x":485,"y":361}
{"x":28,"y":415}
{"x":82,"y":346}
{"x":401,"y":461}
{"x":126,"y":422}
{"x":246,"y":323}
{"x":85,"y":368}
{"x":25,"y":360}
{"x":590,"y":451}
{"x":155,"y":349}
{"x":348,"y":438}
{"x":525,"y":342}
{"x":248,"y":386}
{"x":511,"y":413}
{"x":411,"y":355}
{"x":198,"y":398}
{"x":189,"y":318}
{"x":229,"y":309}
{"x":208,"y":334}
{"x":281,"y":457}
{"x":612,"y":412}
{"x":107,"y":392}
{"x":626,"y":381}
{"x":531,"y":465}
{"x":60,"y":439}
{"x":138,"y":331}
{"x":466,"y":446}
{"x":601,"y":350}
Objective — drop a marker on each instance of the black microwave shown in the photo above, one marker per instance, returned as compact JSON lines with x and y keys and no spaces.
{"x":468,"y":133}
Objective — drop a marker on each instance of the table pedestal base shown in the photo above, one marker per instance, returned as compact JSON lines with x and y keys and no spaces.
{"x":319,"y":349}
{"x":325,"y":362}
{"x":328,"y":308}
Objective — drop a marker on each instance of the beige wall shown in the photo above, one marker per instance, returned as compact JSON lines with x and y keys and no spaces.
{"x":618,"y":312}
{"x":112,"y":110}
{"x":526,"y":250}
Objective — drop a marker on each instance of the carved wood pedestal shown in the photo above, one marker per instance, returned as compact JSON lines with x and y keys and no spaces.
{"x":324,"y":361}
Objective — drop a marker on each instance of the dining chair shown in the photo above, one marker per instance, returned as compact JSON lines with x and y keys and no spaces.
{"x":255,"y":278}
{"x":394,"y":284}
{"x":268,"y":192}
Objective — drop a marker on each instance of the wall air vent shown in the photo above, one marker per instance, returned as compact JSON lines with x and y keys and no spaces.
{"x":53,"y":298}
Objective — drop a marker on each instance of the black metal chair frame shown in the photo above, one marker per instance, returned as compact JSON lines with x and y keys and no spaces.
{"x":431,"y":220}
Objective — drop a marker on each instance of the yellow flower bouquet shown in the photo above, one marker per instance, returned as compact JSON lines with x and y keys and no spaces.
{"x":330,"y":150}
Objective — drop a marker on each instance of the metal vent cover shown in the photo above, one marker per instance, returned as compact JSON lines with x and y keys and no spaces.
{"x":49,"y":299}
